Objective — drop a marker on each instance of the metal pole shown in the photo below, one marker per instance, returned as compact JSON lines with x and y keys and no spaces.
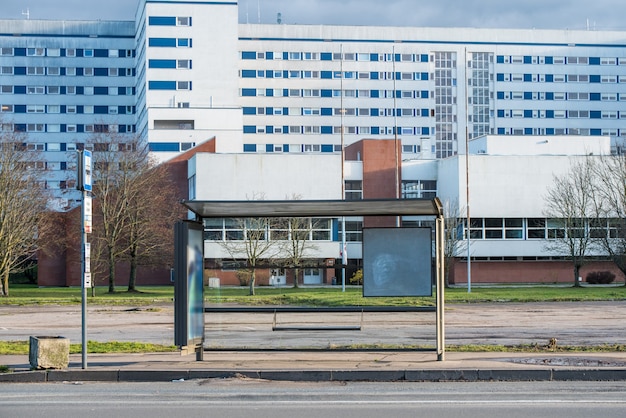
{"x":467,"y":186}
{"x":83,"y":284}
{"x":440,"y":260}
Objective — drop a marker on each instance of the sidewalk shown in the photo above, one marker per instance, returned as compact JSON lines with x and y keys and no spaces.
{"x":328,"y":366}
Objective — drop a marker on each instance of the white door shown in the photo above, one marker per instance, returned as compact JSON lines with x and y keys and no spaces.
{"x":312,"y":276}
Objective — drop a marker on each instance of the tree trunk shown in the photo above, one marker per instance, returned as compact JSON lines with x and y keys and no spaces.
{"x":111,"y":272}
{"x":295,"y":277}
{"x":5,"y":284}
{"x":252,"y":280}
{"x":576,"y":275}
{"x":132,"y":277}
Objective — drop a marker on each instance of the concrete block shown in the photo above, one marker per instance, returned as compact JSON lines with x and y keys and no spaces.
{"x":49,"y":352}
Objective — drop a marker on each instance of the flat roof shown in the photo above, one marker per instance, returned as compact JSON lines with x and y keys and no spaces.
{"x":308,"y":208}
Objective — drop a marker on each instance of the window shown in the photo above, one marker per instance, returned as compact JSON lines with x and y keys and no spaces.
{"x":183,"y":64}
{"x":54,"y":71}
{"x":353,"y":190}
{"x":70,"y":71}
{"x":113,"y":72}
{"x":35,"y":90}
{"x":35,"y":70}
{"x":183,"y":21}
{"x":184,"y":42}
{"x":35,"y":127}
{"x":7,"y":52}
{"x":54,"y":89}
{"x":35,"y":52}
{"x":6,"y":70}
{"x":354,"y":231}
{"x":88,"y":53}
{"x":70,"y":90}
{"x":6,"y":108}
{"x":70,"y":52}
{"x":183,"y":85}
{"x":35,"y":109}
{"x":54,"y":109}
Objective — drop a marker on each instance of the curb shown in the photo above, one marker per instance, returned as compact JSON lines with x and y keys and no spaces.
{"x":464,"y":375}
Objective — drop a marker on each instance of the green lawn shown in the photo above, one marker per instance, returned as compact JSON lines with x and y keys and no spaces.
{"x":317,"y":296}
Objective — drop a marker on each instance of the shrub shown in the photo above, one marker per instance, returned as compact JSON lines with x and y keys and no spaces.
{"x":600,"y":277}
{"x":357,"y":277}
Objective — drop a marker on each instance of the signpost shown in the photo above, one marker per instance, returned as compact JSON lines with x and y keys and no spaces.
{"x":84,"y":185}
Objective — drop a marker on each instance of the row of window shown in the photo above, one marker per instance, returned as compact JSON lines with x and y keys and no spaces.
{"x":529,"y":59}
{"x":170,"y":42}
{"x":348,"y":75}
{"x":549,"y":95}
{"x":562,"y":131}
{"x":560,"y":78}
{"x":412,"y":191}
{"x":230,"y":229}
{"x":329,"y":111}
{"x":70,"y":90}
{"x":169,"y":20}
{"x":68,"y":109}
{"x":71,"y":146}
{"x":398,"y":94}
{"x":66,"y":52}
{"x":62,"y":127}
{"x":542,"y":228}
{"x":337,"y":130}
{"x":170,"y":64}
{"x":169,"y":85}
{"x":561,"y":114}
{"x":333,"y":56}
{"x":68,"y":71}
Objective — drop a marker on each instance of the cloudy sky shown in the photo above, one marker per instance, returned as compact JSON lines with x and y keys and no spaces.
{"x":540,"y":14}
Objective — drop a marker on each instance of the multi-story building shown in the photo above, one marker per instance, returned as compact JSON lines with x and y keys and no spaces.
{"x":184,"y":71}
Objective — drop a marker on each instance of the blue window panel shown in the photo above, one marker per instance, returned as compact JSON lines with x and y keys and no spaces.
{"x":63,"y":163}
{"x":161,"y":85}
{"x":161,"y":63}
{"x":424,"y":94}
{"x":285,"y":147}
{"x":19,"y":89}
{"x":594,"y":60}
{"x":327,"y":130}
{"x":549,"y":131}
{"x":501,"y":131}
{"x":594,"y":78}
{"x":19,"y":108}
{"x":424,"y":58}
{"x":500,"y":59}
{"x":80,"y":90}
{"x":373,"y":57}
{"x":398,"y":94}
{"x":269,"y":129}
{"x":19,"y":127}
{"x":162,"y":42}
{"x":500,"y":113}
{"x":374,"y":93}
{"x":248,"y":73}
{"x":528,"y":131}
{"x":549,"y":78}
{"x":101,"y":53}
{"x":80,"y":52}
{"x":269,"y":74}
{"x":596,"y":132}
{"x":164,"y":146}
{"x":248,"y":55}
{"x":162,"y":21}
{"x":80,"y":128}
{"x":101,"y":110}
{"x":80,"y":109}
{"x":425,"y":113}
{"x":326,"y":56}
{"x":595,"y":114}
{"x":19,"y":70}
{"x":63,"y":90}
{"x":327,"y":111}
{"x":396,"y":57}
{"x":500,"y":77}
{"x":528,"y":95}
{"x":122,"y":129}
{"x":374,"y":111}
{"x":184,"y":42}
{"x":375,"y":130}
{"x":63,"y":108}
{"x":327,"y":148}
{"x":327,"y":74}
{"x":424,"y":76}
{"x":269,"y":148}
{"x":121,"y":110}
{"x":269,"y":92}
{"x":285,"y":111}
{"x":549,"y":95}
{"x":398,"y":75}
{"x":249,"y":110}
{"x":528,"y":59}
{"x":327,"y":93}
{"x":249,"y":129}
{"x":285,"y":129}
{"x":285,"y":56}
{"x":285,"y":92}
{"x":19,"y":52}
{"x":549,"y":60}
{"x":79,"y":71}
{"x":121,"y":91}
{"x":285,"y":74}
{"x":528,"y":78}
{"x":595,"y":97}
{"x":425,"y":131}
{"x":550,"y":114}
{"x":249,"y":147}
{"x":101,"y":91}
{"x":500,"y":95}
{"x":247,"y":92}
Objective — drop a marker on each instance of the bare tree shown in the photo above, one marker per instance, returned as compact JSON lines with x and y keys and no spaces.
{"x":453,"y":235}
{"x":22,"y":207}
{"x":295,"y":241}
{"x":569,"y":205}
{"x":609,"y":197}
{"x":248,"y":240}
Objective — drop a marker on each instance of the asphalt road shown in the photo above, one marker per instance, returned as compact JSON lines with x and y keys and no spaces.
{"x":244,"y":398}
{"x":572,"y":323}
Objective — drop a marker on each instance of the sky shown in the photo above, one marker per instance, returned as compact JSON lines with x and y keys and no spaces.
{"x":523,"y":14}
